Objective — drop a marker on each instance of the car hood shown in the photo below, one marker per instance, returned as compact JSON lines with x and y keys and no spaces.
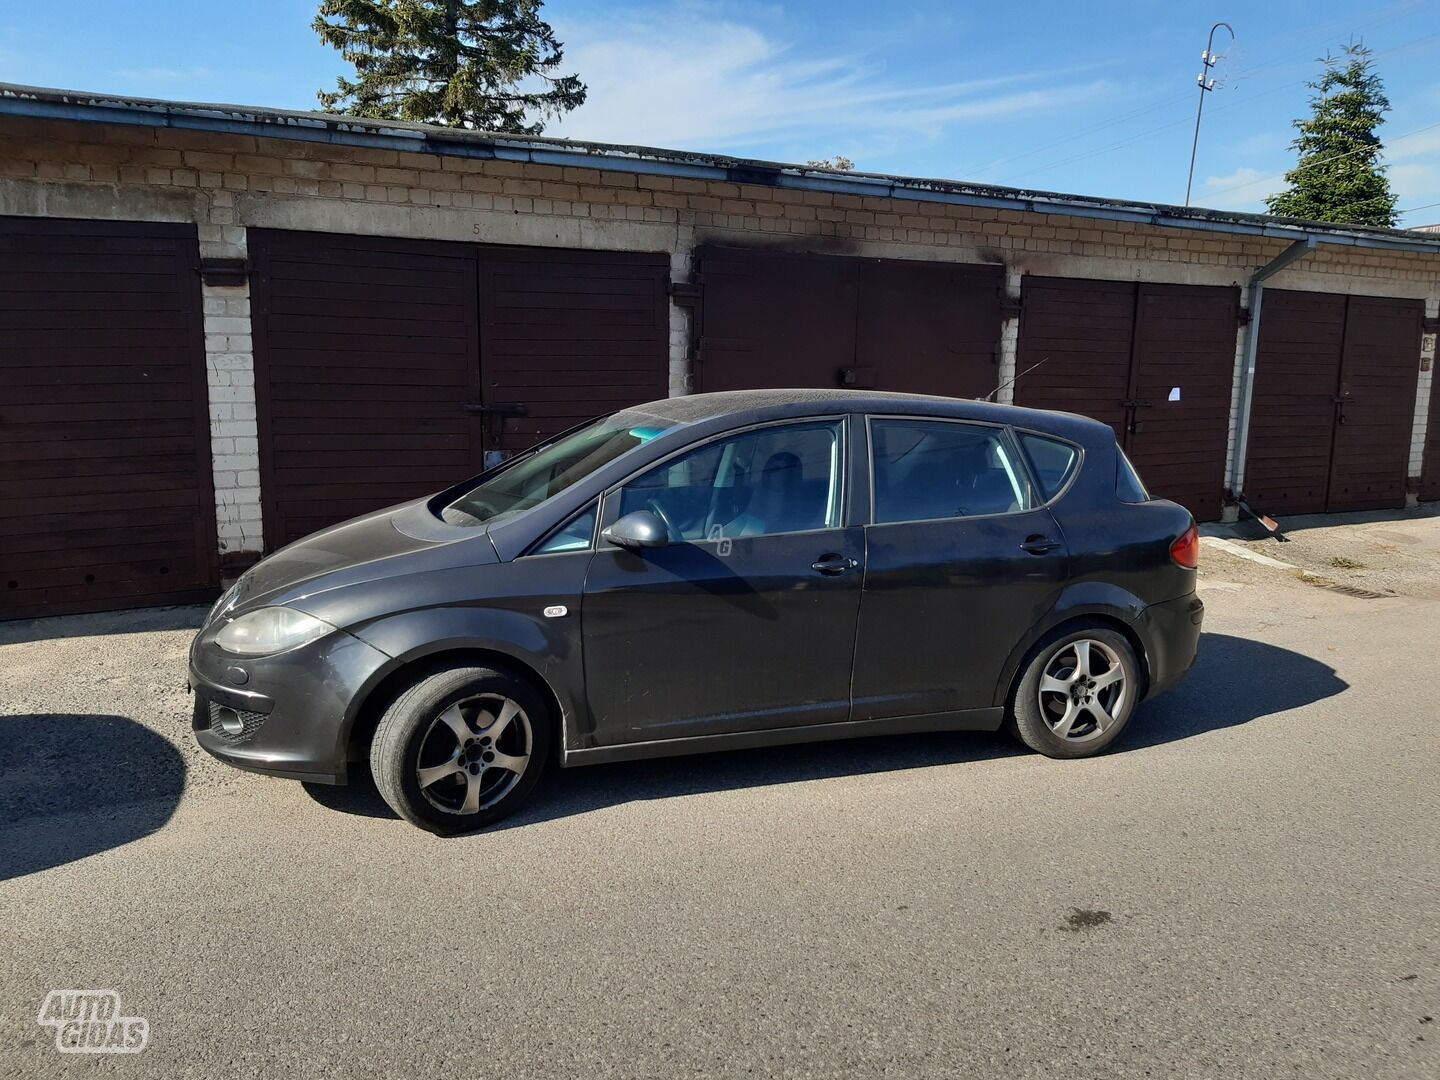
{"x":361,"y":549}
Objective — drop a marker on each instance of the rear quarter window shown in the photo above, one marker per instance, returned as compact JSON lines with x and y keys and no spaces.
{"x":1051,"y":460}
{"x":1128,"y":485}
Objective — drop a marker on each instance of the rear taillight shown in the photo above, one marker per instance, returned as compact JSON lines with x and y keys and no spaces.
{"x":1186,"y":548}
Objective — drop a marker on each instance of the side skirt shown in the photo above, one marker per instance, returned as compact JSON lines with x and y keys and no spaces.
{"x":968,"y":720}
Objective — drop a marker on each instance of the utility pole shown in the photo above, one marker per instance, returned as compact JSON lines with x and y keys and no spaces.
{"x":1209,"y":58}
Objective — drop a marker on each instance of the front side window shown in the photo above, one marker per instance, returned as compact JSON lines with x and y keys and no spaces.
{"x":777,"y":479}
{"x":530,"y":480}
{"x":928,"y":469}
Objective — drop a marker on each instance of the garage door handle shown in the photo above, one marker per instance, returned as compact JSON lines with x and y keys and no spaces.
{"x":833,"y":564}
{"x":508,"y":408}
{"x":1039,"y":545}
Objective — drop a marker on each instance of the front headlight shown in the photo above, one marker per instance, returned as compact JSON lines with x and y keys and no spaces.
{"x":270,"y":630}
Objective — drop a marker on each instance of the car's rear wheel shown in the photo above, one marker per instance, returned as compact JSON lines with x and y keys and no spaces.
{"x":1077,"y":693}
{"x":461,"y":748}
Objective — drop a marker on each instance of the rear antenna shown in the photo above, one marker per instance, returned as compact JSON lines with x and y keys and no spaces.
{"x":1014,"y":378}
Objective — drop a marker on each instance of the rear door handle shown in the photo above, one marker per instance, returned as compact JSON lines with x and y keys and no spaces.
{"x":833,"y":564}
{"x":1039,"y":545}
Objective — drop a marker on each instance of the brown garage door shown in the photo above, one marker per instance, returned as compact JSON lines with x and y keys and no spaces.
{"x":1182,"y":375}
{"x":779,"y":319}
{"x":1378,"y":373}
{"x":105,"y":489}
{"x":366,"y":357}
{"x":567,"y":335}
{"x":1430,"y":477}
{"x":1334,"y":402}
{"x":1292,"y":414}
{"x":1074,"y":351}
{"x":929,"y":328}
{"x":774,"y":320}
{"x":370,"y":352}
{"x":1155,"y":362}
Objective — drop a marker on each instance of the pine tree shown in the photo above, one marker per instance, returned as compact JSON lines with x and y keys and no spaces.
{"x":1339,"y":177}
{"x":490,"y":65}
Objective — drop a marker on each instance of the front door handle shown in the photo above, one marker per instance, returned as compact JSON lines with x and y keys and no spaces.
{"x":833,"y":564}
{"x":1039,"y":545}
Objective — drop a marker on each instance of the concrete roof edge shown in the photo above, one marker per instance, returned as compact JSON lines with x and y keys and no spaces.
{"x":88,"y":107}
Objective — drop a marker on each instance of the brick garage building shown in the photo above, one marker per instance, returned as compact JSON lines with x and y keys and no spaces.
{"x":224,"y":327}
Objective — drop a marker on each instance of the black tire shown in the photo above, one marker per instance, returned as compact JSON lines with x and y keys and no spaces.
{"x":415,"y":724}
{"x":1035,"y":718}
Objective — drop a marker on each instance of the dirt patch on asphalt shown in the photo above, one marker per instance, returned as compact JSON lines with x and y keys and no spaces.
{"x":1390,"y":553}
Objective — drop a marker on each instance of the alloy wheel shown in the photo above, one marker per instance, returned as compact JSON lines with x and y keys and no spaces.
{"x":1082,"y":690}
{"x":473,"y":754}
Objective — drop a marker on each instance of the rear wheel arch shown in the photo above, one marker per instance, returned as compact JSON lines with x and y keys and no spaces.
{"x":365,"y":716}
{"x":1015,"y":669}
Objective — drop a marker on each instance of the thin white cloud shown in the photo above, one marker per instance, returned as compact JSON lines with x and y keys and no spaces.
{"x":1414,"y":172}
{"x":1243,"y":189}
{"x":677,"y":76}
{"x":1421,"y":144}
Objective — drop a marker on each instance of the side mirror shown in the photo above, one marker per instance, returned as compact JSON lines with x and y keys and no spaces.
{"x":642,"y":529}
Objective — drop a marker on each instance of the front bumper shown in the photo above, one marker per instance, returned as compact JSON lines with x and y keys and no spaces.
{"x":1171,"y":633}
{"x":290,"y":716}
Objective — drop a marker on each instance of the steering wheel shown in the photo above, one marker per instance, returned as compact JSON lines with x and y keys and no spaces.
{"x":655,"y":508}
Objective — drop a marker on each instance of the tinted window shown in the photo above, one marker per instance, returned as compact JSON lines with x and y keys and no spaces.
{"x":928,"y":469}
{"x":772,"y":480}
{"x":1052,"y":462}
{"x":1128,"y":486}
{"x":575,"y":535}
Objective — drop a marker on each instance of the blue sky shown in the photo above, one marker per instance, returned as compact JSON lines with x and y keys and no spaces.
{"x":1096,"y":98}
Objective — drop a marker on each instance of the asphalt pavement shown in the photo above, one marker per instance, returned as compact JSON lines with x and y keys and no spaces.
{"x":1247,"y":885}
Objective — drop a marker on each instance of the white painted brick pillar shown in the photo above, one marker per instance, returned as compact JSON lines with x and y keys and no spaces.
{"x":1423,"y":419}
{"x":1009,"y":340}
{"x":681,"y":267}
{"x":230,"y":375}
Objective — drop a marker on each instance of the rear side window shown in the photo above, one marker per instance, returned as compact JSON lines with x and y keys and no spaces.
{"x":1052,"y":461}
{"x":1128,"y":486}
{"x":928,"y":469}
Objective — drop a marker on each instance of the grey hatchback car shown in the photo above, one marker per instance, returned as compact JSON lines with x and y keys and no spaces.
{"x":703,"y":573}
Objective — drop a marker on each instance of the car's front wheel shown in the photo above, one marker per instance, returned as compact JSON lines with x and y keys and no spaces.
{"x":1077,"y":693}
{"x":461,"y":748}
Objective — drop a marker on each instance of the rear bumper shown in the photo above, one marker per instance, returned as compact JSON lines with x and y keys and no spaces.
{"x":1171,"y":634}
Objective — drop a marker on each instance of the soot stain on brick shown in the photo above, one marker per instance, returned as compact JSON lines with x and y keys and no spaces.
{"x":1085,"y":919}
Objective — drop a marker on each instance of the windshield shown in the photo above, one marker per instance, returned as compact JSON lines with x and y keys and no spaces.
{"x":545,"y":473}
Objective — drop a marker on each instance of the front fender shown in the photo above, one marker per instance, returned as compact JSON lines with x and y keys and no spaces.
{"x":494,"y":608}
{"x":1075,"y":601}
{"x":548,"y":647}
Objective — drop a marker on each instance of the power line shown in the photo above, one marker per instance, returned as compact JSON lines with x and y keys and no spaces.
{"x":1398,"y":11}
{"x":1184,"y":120}
{"x":1322,"y":161}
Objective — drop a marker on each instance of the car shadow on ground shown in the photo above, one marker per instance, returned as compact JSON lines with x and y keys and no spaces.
{"x":1234,"y":681}
{"x":79,"y":784}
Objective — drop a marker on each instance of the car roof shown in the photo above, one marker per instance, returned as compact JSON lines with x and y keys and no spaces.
{"x":750,"y":406}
